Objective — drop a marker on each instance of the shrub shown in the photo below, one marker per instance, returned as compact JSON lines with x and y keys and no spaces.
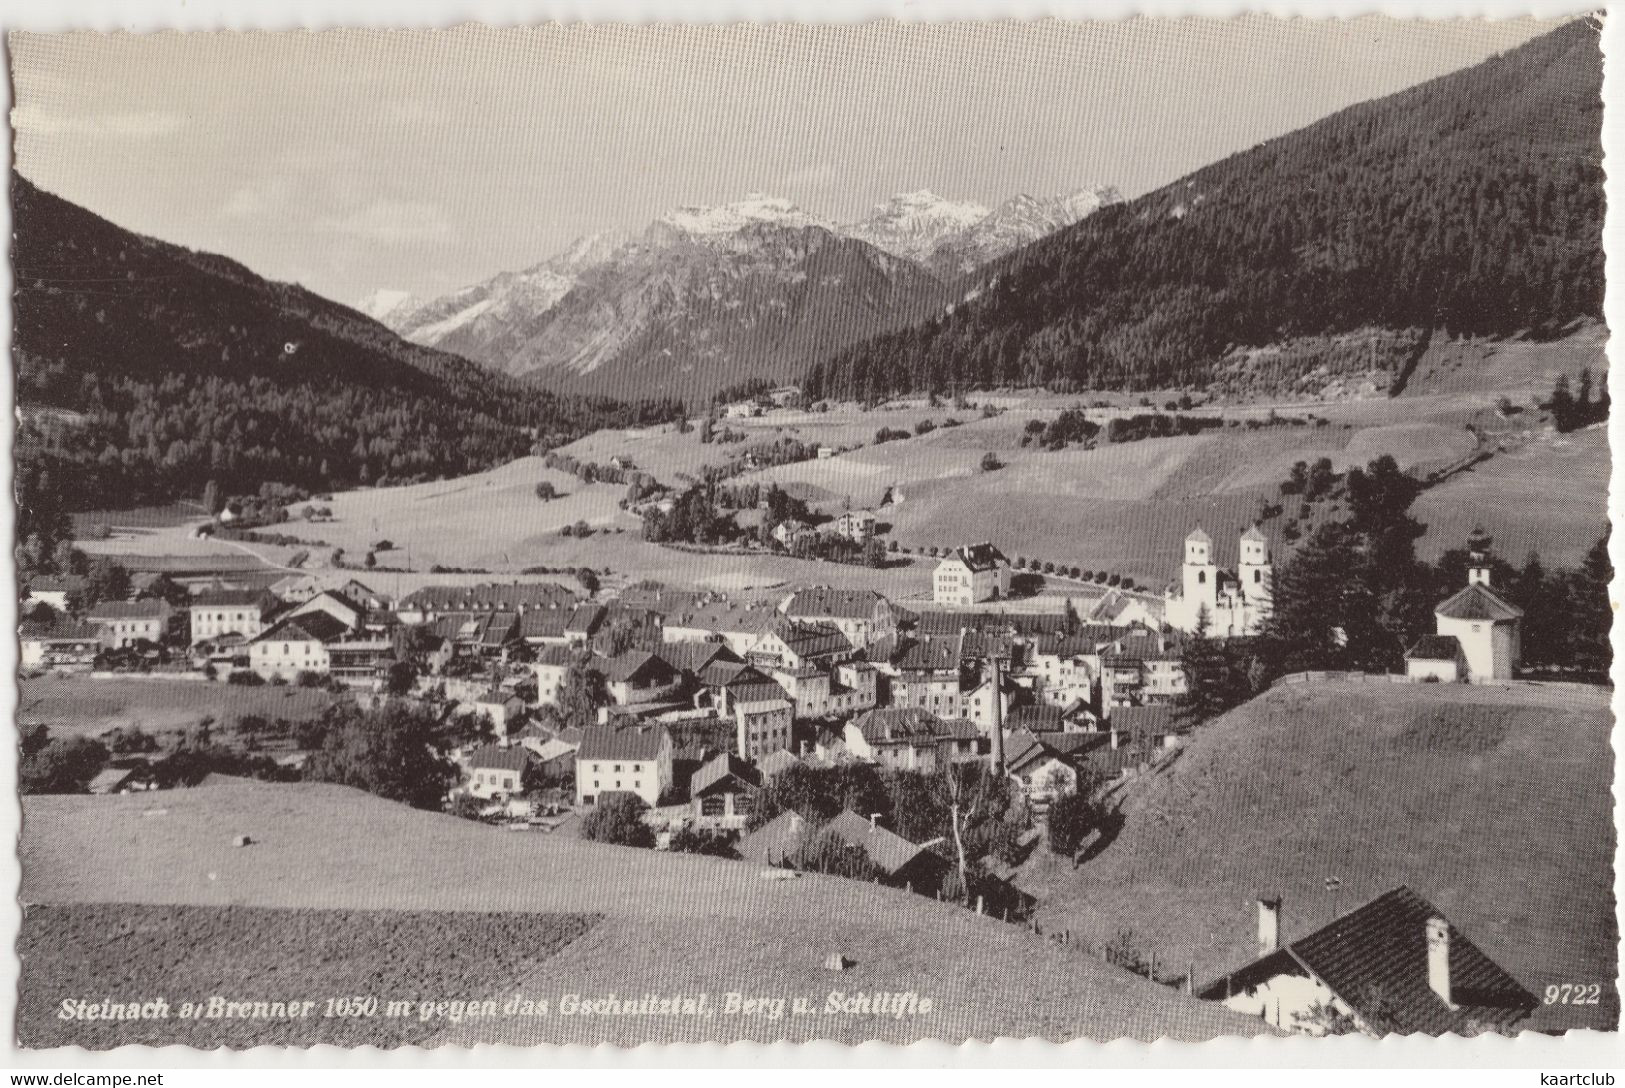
{"x":245,"y":678}
{"x":687,"y":840}
{"x":618,"y":819}
{"x":991,"y":462}
{"x":1072,"y":817}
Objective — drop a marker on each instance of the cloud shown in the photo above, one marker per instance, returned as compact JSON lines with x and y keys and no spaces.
{"x":31,"y":120}
{"x":394,"y":222}
{"x":257,"y":198}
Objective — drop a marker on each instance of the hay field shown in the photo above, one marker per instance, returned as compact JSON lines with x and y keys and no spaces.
{"x":80,"y":706}
{"x":670,"y":921}
{"x":1495,"y":804}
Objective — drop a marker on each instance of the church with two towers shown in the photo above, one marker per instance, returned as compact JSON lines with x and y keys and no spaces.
{"x":1235,"y":602}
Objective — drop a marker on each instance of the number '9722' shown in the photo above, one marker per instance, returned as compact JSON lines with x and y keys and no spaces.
{"x":1574,"y":993}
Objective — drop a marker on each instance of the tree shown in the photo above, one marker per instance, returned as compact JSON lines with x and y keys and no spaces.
{"x":991,"y":462}
{"x":1072,"y":816}
{"x":618,"y":819}
{"x":588,"y":579}
{"x":390,"y":751}
{"x":467,"y":806}
{"x":1215,"y":676}
{"x":371,"y":561}
{"x":546,"y":491}
{"x":211,"y":498}
{"x":827,"y":853}
{"x":61,"y":766}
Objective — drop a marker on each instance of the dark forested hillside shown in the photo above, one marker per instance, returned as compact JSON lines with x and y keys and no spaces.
{"x":1471,"y":204}
{"x":167,"y":368}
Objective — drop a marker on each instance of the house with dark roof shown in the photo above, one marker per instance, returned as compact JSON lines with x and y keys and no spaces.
{"x":1393,"y":966}
{"x":794,"y":645}
{"x":1436,"y":658}
{"x":124,"y":623}
{"x":623,"y":759}
{"x":638,"y":676}
{"x":911,"y":739}
{"x":763,"y":726}
{"x":695,"y":658}
{"x":862,"y":615}
{"x":59,"y":592}
{"x":740,"y":626}
{"x":969,"y":574}
{"x":431,"y":602}
{"x":495,"y":772}
{"x":294,"y":645}
{"x":902,"y":864}
{"x":722,"y":792}
{"x":1486,"y":625}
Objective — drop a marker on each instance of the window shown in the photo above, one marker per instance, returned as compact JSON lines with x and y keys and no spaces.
{"x":595,"y":783}
{"x":617,"y":783}
{"x":1201,"y":577}
{"x":1258,"y":576}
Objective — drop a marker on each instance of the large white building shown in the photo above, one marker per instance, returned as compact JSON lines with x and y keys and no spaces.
{"x":1235,"y":602}
{"x":975,"y":572}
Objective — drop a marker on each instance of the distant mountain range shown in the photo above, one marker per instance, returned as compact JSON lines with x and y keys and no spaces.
{"x":1471,"y":204}
{"x":710,"y":296}
{"x":172,"y":367}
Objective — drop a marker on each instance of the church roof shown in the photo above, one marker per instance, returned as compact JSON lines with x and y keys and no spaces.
{"x":1199,"y":536}
{"x":1478,"y":603}
{"x":1252,"y":533}
{"x":1434,"y":648}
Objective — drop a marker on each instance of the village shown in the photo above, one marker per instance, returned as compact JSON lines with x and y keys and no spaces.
{"x":674,"y":714}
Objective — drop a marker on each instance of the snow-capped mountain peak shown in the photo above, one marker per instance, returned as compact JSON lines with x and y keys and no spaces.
{"x":913,"y":224}
{"x":387,"y":304}
{"x":702,"y":220}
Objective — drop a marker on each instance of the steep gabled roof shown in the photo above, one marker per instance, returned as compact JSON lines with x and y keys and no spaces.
{"x":889,"y":851}
{"x":719,"y":770}
{"x":1375,"y":959}
{"x":634,"y":663}
{"x":1478,"y":603}
{"x":811,"y":639}
{"x":979,"y":557}
{"x":309,"y":627}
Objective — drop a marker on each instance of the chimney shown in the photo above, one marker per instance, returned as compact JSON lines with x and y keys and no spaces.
{"x":1269,"y":925}
{"x":1438,"y":938}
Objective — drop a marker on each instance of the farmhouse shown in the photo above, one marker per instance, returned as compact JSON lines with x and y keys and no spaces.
{"x":1043,"y":771}
{"x":362,"y":662}
{"x":723,"y":792}
{"x":335,"y":604}
{"x":862,"y":615}
{"x":295,"y":645}
{"x":495,"y":772}
{"x":1230,"y":604}
{"x":975,"y":572}
{"x":630,"y":759}
{"x":1484,"y":624}
{"x":740,"y":626}
{"x":637,"y":676}
{"x":59,"y":645}
{"x":1395,"y":965}
{"x":124,"y":623}
{"x":911,"y":739}
{"x":551,"y":667}
{"x":795,"y":645}
{"x":217,"y":612}
{"x":901,"y":863}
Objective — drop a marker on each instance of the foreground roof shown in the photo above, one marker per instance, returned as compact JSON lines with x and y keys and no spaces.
{"x":1375,"y":959}
{"x":1434,"y":648}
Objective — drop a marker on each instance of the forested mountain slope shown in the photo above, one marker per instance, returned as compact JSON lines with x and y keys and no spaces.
{"x":1469,"y":204}
{"x":170,"y":367}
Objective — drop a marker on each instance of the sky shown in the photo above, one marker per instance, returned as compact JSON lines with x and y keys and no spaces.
{"x":351,"y":160}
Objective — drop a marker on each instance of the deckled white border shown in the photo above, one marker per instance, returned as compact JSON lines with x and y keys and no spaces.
{"x":1579,"y":1051}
